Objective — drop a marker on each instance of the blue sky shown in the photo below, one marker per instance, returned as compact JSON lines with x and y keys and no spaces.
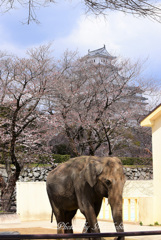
{"x":67,"y":27}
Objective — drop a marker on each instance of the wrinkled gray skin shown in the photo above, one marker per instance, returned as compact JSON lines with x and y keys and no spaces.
{"x":81,"y":183}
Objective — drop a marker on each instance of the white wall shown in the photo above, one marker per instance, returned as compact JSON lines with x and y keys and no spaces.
{"x":156,"y":143}
{"x":33,"y":203}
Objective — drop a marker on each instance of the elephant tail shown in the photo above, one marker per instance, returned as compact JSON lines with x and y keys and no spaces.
{"x":52,"y":216}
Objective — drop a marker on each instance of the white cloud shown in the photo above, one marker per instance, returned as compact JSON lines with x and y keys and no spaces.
{"x":90,"y":33}
{"x":121,"y":33}
{"x":124,"y":35}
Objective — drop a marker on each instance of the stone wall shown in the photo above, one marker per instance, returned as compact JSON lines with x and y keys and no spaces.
{"x":145,"y":173}
{"x":35,"y":174}
{"x":40,"y":173}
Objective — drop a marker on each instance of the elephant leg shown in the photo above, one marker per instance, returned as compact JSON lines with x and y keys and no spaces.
{"x":68,"y":221}
{"x":86,"y":228}
{"x":59,"y":215}
{"x":97,"y":208}
{"x":91,"y":221}
{"x":60,"y":218}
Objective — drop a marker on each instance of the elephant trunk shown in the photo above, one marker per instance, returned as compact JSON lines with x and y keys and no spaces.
{"x":115,"y":201}
{"x":117,"y":217}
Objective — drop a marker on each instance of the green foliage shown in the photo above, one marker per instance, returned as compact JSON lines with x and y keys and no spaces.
{"x":141,"y":224}
{"x":40,"y":159}
{"x":2,"y":160}
{"x":62,"y":149}
{"x":4,"y":111}
{"x":43,"y":158}
{"x":137,"y":143}
{"x":3,"y":157}
{"x":156,"y":224}
{"x":60,"y":158}
{"x":20,"y":148}
{"x":136,"y":161}
{"x":127,"y":161}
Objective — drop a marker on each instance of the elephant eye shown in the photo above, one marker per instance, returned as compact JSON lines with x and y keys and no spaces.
{"x":108,"y":182}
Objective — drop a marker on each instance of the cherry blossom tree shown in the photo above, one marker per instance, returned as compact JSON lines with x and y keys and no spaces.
{"x":91,"y":104}
{"x":23,"y":85}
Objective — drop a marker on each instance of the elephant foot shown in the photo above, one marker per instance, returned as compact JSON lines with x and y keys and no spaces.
{"x":88,"y":239}
{"x":84,"y":239}
{"x":95,"y":239}
{"x":119,"y":238}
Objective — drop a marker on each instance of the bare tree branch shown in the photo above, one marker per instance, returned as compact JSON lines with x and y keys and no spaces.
{"x":136,"y":7}
{"x":145,"y":8}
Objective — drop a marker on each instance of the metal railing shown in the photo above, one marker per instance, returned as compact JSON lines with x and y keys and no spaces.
{"x":82,"y":235}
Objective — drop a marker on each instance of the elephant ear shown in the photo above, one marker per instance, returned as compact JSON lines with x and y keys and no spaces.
{"x":92,"y":170}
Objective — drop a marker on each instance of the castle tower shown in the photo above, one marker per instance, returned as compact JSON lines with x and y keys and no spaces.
{"x":98,"y":56}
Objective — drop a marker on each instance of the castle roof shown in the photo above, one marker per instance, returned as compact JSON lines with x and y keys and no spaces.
{"x":100,"y":52}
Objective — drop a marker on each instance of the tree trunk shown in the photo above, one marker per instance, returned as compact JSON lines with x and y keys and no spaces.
{"x":7,"y":194}
{"x":91,"y":151}
{"x":71,"y":141}
{"x":8,"y":190}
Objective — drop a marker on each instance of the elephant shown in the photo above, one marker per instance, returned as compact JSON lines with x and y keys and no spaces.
{"x":82,"y":183}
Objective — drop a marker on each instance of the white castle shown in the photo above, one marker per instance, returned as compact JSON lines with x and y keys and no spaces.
{"x":98,"y":56}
